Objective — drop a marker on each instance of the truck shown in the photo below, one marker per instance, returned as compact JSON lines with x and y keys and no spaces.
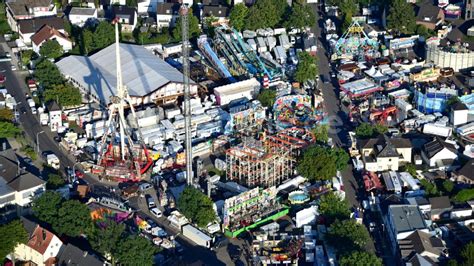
{"x":196,"y":236}
{"x":31,"y":103}
{"x":44,"y":119}
{"x":53,"y":161}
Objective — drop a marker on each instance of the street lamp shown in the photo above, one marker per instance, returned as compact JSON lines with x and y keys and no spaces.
{"x":37,"y":141}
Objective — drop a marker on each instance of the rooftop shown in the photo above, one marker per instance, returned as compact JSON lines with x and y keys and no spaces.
{"x":434,"y":147}
{"x":22,"y":7}
{"x":406,"y":218}
{"x":426,"y":11}
{"x":142,"y":72}
{"x":467,"y":170}
{"x":440,"y":202}
{"x":33,"y":25}
{"x":216,"y":11}
{"x":124,"y":12}
{"x":420,"y":242}
{"x":72,"y":255}
{"x":46,"y":33}
{"x":167,"y":9}
{"x":84,"y":11}
{"x":9,"y":174}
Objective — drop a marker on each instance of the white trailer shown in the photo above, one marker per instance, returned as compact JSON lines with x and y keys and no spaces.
{"x":284,"y":41}
{"x":262,"y":47}
{"x":271,"y":42}
{"x":31,"y":103}
{"x":252,"y":44}
{"x":44,"y":119}
{"x":280,"y":54}
{"x":53,"y":161}
{"x":437,"y":130}
{"x":197,"y":236}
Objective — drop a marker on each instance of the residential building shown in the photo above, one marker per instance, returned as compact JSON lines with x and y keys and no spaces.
{"x":166,"y":14}
{"x":55,"y":116}
{"x":48,"y":33}
{"x":17,"y":187}
{"x":384,"y":153}
{"x":127,"y":15}
{"x":401,"y":221}
{"x":27,"y":9}
{"x":147,"y":77}
{"x":440,"y":206}
{"x":80,"y":15}
{"x":430,"y":247}
{"x":459,"y":114}
{"x":439,"y":153}
{"x":147,"y":6}
{"x":221,"y":13}
{"x":72,"y":255}
{"x":42,"y":246}
{"x":466,"y":173}
{"x":28,"y":27}
{"x":428,"y":14}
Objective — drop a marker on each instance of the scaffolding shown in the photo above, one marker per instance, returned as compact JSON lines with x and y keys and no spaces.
{"x":267,"y":163}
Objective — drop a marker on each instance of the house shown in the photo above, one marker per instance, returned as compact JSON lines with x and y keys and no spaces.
{"x":127,"y":16}
{"x":48,"y":33}
{"x":17,"y":187}
{"x":28,"y":27}
{"x":384,"y":153}
{"x":42,"y":246}
{"x":440,"y":206}
{"x":401,"y":221}
{"x":439,"y":153}
{"x":80,"y":15}
{"x":221,"y":13}
{"x":430,"y":247}
{"x":461,"y":211}
{"x":27,"y":9}
{"x":466,"y":173}
{"x":422,"y":203}
{"x":428,"y":14}
{"x":72,"y":255}
{"x":55,"y":116}
{"x":166,"y":14}
{"x":147,"y":6}
{"x":459,"y":114}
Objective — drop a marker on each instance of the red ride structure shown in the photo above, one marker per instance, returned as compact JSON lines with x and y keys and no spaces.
{"x":121,"y":158}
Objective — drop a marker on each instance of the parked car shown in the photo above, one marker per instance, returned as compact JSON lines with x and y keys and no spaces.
{"x":155,"y":211}
{"x":13,"y":67}
{"x":150,"y":201}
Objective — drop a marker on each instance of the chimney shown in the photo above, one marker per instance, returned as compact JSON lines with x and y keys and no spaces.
{"x":44,"y":234}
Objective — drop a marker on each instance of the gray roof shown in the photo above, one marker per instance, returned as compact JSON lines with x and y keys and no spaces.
{"x":143,"y":73}
{"x":434,"y":147}
{"x":216,"y":11}
{"x":406,"y":218}
{"x":440,"y":203}
{"x":419,"y":242}
{"x":9,"y":173}
{"x":72,"y":255}
{"x":28,"y":224}
{"x":33,"y":25}
{"x":21,"y":7}
{"x":467,"y":170}
{"x":459,"y":106}
{"x":84,"y":11}
{"x":167,"y":8}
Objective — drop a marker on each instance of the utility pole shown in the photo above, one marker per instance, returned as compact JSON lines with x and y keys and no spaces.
{"x":187,"y":106}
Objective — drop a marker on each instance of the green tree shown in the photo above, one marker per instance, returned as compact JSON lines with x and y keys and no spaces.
{"x":11,"y":234}
{"x":347,"y":236}
{"x":87,"y":41}
{"x":448,"y":185}
{"x":48,"y":74}
{"x":54,"y":181}
{"x":6,"y":114}
{"x":132,"y":3}
{"x":307,"y":67}
{"x":301,"y":16}
{"x":26,"y":57}
{"x":103,"y":36}
{"x":237,"y":16}
{"x":73,"y":218}
{"x":196,"y":206}
{"x":66,"y":94}
{"x":135,"y":250}
{"x":341,"y":158}
{"x":317,"y":164}
{"x":265,"y":14}
{"x":401,"y":17}
{"x":451,"y":101}
{"x":467,"y":254}
{"x":411,"y":169}
{"x":366,"y":130}
{"x":194,"y":29}
{"x":430,"y":188}
{"x":424,"y":31}
{"x":106,"y":239}
{"x":360,"y":258}
{"x":267,"y":97}
{"x":51,"y":49}
{"x":464,"y":195}
{"x":9,"y":130}
{"x":321,"y":133}
{"x":46,"y":207}
{"x":333,"y":207}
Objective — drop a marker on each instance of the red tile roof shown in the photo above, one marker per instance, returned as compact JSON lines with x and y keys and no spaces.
{"x":46,"y":33}
{"x":40,"y":239}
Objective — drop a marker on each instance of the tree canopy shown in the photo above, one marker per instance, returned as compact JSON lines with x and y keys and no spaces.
{"x":321,"y":133}
{"x":51,"y":49}
{"x":467,"y":254}
{"x":401,"y":17}
{"x":103,"y":36}
{"x":448,"y":185}
{"x":73,"y":218}
{"x":360,"y":258}
{"x":464,"y":195}
{"x":366,"y":130}
{"x":354,"y":236}
{"x":196,"y":206}
{"x":106,"y":239}
{"x":194,"y":29}
{"x":237,"y":16}
{"x":48,"y":74}
{"x":267,"y":97}
{"x":45,"y":207}
{"x":266,"y":14}
{"x":321,"y":163}
{"x":65,"y":94}
{"x":54,"y":181}
{"x":430,"y":188}
{"x":332,"y":207}
{"x":307,"y":67}
{"x":301,"y":16}
{"x":9,"y":130}
{"x":6,"y":114}
{"x":135,"y":250}
{"x":11,"y":234}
